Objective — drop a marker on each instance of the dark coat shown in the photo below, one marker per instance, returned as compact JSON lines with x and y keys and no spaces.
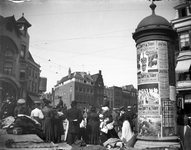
{"x":185,"y":138}
{"x":73,"y":114}
{"x":7,"y":109}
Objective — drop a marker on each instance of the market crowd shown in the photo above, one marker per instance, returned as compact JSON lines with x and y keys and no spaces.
{"x":93,"y":126}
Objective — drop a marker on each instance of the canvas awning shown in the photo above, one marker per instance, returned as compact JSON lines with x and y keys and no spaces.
{"x":34,"y":98}
{"x":183,"y":66}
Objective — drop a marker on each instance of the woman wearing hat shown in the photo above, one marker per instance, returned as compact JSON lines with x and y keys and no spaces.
{"x":106,"y":125}
{"x":93,"y":130}
{"x":126,"y":127}
{"x":47,"y":121}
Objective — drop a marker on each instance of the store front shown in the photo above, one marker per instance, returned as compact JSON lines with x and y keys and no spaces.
{"x":8,"y":88}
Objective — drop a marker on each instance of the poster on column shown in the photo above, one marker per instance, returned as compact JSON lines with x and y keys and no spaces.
{"x":148,"y":110}
{"x":162,"y":54}
{"x":164,"y":83}
{"x":150,"y":125}
{"x":147,"y":57}
{"x":148,"y":94}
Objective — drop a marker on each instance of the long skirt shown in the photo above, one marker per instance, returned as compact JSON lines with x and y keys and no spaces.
{"x":93,"y":132}
{"x":47,"y":129}
{"x":126,"y":131}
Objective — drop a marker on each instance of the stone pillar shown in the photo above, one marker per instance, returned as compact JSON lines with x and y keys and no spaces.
{"x":155,"y":43}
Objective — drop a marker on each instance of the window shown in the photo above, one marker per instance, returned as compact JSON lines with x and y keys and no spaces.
{"x":182,"y":12}
{"x":22,"y":73}
{"x":8,"y":53}
{"x":184,"y":40}
{"x":7,"y":68}
{"x":23,"y":50}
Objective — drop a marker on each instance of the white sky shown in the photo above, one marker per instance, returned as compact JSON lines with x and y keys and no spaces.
{"x":86,"y":35}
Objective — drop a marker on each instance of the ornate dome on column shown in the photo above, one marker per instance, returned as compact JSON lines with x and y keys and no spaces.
{"x":154,"y":27}
{"x":153,"y":20}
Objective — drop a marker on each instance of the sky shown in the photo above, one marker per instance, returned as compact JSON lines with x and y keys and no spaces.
{"x":86,"y":35}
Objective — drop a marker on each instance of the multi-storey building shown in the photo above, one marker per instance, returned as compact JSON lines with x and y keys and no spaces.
{"x":182,"y":24}
{"x":122,"y":96}
{"x":79,"y":86}
{"x":109,"y":93}
{"x":16,"y":78}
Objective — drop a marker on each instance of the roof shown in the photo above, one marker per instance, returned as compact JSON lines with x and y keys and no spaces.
{"x":77,"y":75}
{"x":24,"y":21}
{"x":153,"y":19}
{"x":11,"y":19}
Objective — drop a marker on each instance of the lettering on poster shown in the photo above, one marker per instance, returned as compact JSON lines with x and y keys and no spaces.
{"x":147,"y":77}
{"x":149,"y":110}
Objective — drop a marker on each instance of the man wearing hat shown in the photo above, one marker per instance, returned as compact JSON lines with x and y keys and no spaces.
{"x":74,"y":116}
{"x":21,"y":108}
{"x":7,"y":108}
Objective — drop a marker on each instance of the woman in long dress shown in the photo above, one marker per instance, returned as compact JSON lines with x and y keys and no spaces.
{"x":126,"y":127}
{"x":93,"y":129}
{"x":47,"y":122}
{"x":106,"y":125}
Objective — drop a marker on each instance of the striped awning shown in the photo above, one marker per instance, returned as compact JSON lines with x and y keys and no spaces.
{"x":183,"y":66}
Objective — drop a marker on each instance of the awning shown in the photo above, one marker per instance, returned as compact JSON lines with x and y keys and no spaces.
{"x":183,"y":66}
{"x":34,"y":98}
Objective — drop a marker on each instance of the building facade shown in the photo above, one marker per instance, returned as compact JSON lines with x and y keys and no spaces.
{"x":16,"y":78}
{"x":122,"y":96}
{"x":182,"y":24}
{"x":79,"y":86}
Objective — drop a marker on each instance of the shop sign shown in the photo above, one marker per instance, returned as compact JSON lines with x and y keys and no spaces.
{"x":183,"y":84}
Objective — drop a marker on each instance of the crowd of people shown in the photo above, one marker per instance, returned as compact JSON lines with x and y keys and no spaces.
{"x":94,"y":126}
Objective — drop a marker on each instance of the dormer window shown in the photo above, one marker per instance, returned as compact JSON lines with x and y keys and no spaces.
{"x":184,"y":40}
{"x":182,"y":12}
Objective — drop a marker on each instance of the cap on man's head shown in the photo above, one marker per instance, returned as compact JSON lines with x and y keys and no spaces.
{"x":9,"y":98}
{"x":21,"y":101}
{"x":106,"y":103}
{"x":74,"y":103}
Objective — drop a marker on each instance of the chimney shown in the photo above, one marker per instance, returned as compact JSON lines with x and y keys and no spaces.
{"x":69,"y":73}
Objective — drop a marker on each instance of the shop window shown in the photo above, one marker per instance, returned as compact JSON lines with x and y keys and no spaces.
{"x":184,"y":41}
{"x":7,"y":68}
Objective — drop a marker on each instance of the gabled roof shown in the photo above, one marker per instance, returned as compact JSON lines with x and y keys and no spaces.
{"x":31,"y":58}
{"x":13,"y":21}
{"x":77,"y":75}
{"x":24,"y":21}
{"x":95,"y":76}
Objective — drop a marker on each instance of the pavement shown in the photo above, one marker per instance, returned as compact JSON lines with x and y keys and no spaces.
{"x":28,"y":141}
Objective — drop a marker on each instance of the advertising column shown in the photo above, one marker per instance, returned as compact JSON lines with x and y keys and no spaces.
{"x":156,"y":100}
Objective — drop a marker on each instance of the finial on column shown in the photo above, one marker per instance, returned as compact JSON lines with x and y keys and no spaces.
{"x":153,"y":6}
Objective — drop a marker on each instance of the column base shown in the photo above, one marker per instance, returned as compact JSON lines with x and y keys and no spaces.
{"x":168,"y":143}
